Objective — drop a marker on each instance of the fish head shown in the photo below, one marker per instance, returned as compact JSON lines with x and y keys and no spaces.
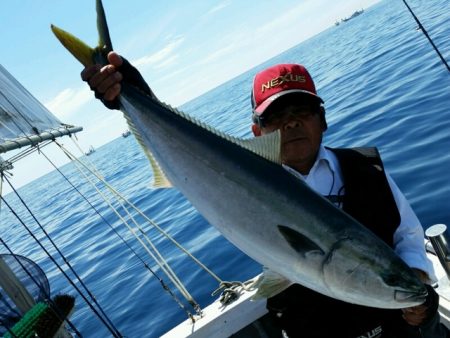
{"x":375,"y":278}
{"x":408,"y":290}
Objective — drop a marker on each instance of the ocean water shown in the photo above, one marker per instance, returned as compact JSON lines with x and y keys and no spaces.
{"x":383,"y":86}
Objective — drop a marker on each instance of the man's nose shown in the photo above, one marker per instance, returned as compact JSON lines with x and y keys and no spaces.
{"x":291,"y":123}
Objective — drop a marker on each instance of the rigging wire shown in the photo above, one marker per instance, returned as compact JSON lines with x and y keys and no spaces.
{"x":28,"y":152}
{"x":54,"y":308}
{"x":116,"y":193}
{"x":155,"y":255}
{"x":106,"y":321}
{"x":159,"y":259}
{"x":230,"y":290}
{"x":162,"y":231}
{"x":428,"y":36}
{"x":161,"y":281}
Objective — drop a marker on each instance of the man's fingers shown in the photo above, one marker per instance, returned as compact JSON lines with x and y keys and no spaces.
{"x":112,"y":92}
{"x":100,"y":76}
{"x":109,"y":82}
{"x":415,"y":315}
{"x":88,"y":72}
{"x":115,"y":59}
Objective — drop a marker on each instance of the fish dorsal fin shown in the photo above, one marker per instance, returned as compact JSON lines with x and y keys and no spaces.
{"x":269,"y":284}
{"x":159,"y":178}
{"x":266,"y":146}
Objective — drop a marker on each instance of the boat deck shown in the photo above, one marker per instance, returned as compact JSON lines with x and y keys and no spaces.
{"x":247,"y":318}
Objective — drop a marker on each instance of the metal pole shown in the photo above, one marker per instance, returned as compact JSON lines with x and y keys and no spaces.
{"x":440,"y":239}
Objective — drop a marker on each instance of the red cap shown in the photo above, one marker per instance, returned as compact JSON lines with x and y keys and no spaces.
{"x":279,"y":80}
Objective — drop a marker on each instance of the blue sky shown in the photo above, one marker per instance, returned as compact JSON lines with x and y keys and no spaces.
{"x":182,"y":48}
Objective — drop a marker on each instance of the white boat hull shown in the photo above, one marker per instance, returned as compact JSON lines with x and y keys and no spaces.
{"x":221,"y":321}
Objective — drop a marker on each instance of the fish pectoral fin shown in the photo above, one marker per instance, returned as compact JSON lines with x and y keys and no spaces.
{"x":269,"y":284}
{"x":299,"y":242}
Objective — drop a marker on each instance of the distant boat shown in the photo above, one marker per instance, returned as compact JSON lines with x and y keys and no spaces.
{"x":126,"y":133}
{"x":90,"y":151}
{"x":355,"y":14}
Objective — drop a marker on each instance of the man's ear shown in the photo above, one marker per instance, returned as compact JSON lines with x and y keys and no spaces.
{"x":323,"y":120}
{"x":256,"y":129}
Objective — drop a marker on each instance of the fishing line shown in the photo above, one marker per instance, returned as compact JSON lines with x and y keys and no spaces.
{"x":58,"y":266}
{"x":28,"y":151}
{"x":155,"y":254}
{"x":54,"y":307}
{"x":108,"y":322}
{"x":162,"y":231}
{"x":428,"y":37}
{"x":161,"y":261}
{"x":222,"y":284}
{"x":161,"y":281}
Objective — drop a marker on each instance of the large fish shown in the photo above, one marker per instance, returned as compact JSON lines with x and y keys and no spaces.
{"x":240,"y":187}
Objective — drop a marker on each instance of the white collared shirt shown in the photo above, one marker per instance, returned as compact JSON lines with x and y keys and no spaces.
{"x":325,"y":177}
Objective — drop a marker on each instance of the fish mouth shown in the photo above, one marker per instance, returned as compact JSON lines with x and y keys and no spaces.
{"x":403,"y":296}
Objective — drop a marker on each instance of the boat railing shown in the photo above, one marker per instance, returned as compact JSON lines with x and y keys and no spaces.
{"x":440,"y":241}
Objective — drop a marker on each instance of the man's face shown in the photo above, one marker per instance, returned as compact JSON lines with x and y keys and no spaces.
{"x":301,"y":128}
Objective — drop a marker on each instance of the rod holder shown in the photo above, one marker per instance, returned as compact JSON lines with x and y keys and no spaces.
{"x":440,"y":240}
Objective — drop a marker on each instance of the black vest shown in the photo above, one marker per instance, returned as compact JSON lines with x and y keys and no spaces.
{"x":302,"y":312}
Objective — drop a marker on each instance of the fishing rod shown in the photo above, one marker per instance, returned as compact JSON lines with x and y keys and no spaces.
{"x":428,"y":36}
{"x":105,"y":320}
{"x":56,"y":310}
{"x":161,"y":281}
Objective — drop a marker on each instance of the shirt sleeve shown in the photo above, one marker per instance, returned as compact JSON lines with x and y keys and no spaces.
{"x":409,"y":238}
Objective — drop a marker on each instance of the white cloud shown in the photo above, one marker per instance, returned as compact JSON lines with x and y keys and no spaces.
{"x":69,"y":101}
{"x":219,"y":53}
{"x":217,"y":8}
{"x":161,"y":55}
{"x":166,"y":62}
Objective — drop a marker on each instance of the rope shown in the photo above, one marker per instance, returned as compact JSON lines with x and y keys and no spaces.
{"x":162,"y":231}
{"x":160,"y":260}
{"x":428,"y":37}
{"x":165,"y":287}
{"x":230,"y":291}
{"x":106,"y":322}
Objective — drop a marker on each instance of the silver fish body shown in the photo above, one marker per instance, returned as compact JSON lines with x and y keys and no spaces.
{"x":270,"y":215}
{"x":266,"y":212}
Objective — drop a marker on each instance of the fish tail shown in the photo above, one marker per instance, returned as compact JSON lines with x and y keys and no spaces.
{"x":75,"y":46}
{"x":81,"y":51}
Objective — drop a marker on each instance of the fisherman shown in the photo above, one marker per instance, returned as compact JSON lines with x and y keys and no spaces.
{"x":284,"y":98}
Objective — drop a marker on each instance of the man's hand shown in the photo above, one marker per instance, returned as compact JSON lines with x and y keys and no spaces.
{"x":105,"y":81}
{"x":416,"y":315}
{"x":420,"y":314}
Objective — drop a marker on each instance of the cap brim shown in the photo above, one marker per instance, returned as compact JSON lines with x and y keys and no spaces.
{"x":267,"y":102}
